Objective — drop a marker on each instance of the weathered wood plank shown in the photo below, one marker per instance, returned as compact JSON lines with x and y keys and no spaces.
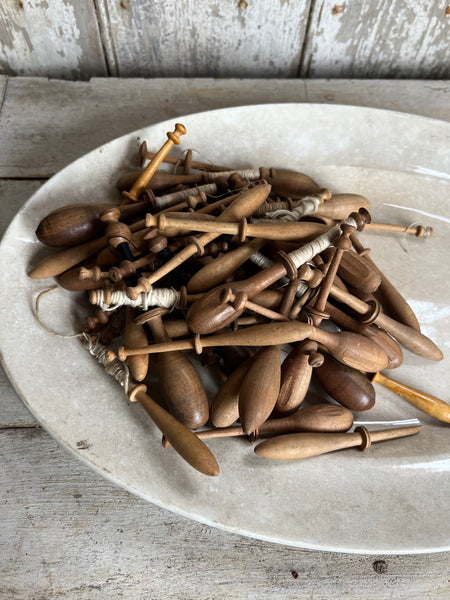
{"x":167,"y":38}
{"x":90,"y":114}
{"x":426,"y":98}
{"x":68,"y":533}
{"x":76,"y":117}
{"x":50,"y":39}
{"x":361,"y":39}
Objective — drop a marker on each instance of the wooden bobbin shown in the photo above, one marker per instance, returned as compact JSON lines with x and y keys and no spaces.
{"x":180,"y":384}
{"x":304,"y":445}
{"x":145,"y":177}
{"x":317,"y":418}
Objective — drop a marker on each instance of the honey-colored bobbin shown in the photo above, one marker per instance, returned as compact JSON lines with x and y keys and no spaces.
{"x":305,"y":445}
{"x":145,"y":177}
{"x":427,"y":403}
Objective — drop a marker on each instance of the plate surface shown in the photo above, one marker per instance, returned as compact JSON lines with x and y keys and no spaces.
{"x":390,"y":499}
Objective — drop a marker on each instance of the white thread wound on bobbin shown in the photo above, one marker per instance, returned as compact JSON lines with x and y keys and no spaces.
{"x":307,"y":206}
{"x":263,"y":262}
{"x":165,"y":297}
{"x":115,"y":368}
{"x":171,"y":199}
{"x":308,"y":251}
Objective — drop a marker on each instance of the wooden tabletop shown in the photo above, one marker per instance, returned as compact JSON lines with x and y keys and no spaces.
{"x":67,"y":532}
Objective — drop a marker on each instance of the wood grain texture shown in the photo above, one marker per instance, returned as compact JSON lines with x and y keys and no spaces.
{"x":156,"y":38}
{"x":91,"y":114}
{"x":71,"y":534}
{"x":50,"y":39}
{"x":367,"y":39}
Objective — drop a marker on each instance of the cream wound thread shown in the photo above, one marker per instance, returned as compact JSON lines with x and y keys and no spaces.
{"x":115,"y":368}
{"x":165,"y":297}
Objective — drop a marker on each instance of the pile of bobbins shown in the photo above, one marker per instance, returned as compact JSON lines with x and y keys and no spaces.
{"x":233,"y":265}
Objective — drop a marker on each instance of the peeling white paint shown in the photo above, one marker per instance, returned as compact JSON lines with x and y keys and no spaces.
{"x":48,"y":39}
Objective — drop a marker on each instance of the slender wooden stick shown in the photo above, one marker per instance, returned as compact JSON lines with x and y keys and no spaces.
{"x":417,"y":230}
{"x":389,"y":295}
{"x":427,"y":403}
{"x":350,"y":348}
{"x":317,"y":418}
{"x":304,"y":445}
{"x":410,"y":338}
{"x":144,"y":178}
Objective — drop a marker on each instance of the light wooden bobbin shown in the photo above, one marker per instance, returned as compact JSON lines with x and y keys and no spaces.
{"x":143,"y":180}
{"x":305,"y":445}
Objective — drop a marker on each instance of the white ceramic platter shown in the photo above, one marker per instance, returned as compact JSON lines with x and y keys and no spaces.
{"x":390,"y":499}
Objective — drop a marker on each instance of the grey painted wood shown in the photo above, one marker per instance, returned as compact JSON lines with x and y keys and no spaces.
{"x":168,"y":38}
{"x":90,"y":114}
{"x":67,"y":533}
{"x":378,"y":39}
{"x":51,"y":39}
{"x":426,"y":98}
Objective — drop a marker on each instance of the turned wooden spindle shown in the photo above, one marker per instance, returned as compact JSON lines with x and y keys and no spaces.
{"x":180,"y":384}
{"x":260,"y":387}
{"x":243,"y":205}
{"x":346,"y":385}
{"x":297,"y":369}
{"x":417,"y":230}
{"x":387,"y":294}
{"x":135,"y":337}
{"x":296,"y":372}
{"x":321,"y":205}
{"x":147,"y":174}
{"x":78,"y":223}
{"x":410,"y":338}
{"x":299,"y":230}
{"x":59,"y":262}
{"x":350,"y":348}
{"x":357,"y":272}
{"x":70,"y":280}
{"x":159,"y":245}
{"x":380,"y":337}
{"x":325,"y":418}
{"x":225,"y":405}
{"x":184,"y":441}
{"x":427,"y":403}
{"x":304,"y":445}
{"x":210,"y":314}
{"x":201,"y":166}
{"x":223,"y":266}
